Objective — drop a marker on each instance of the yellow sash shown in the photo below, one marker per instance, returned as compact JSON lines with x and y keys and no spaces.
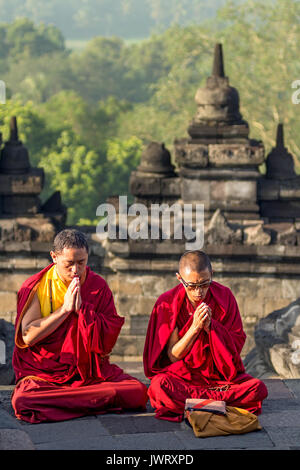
{"x":51,"y":292}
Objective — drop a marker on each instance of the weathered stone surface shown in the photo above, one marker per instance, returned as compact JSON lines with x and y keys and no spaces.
{"x":15,"y":439}
{"x":191,"y":155}
{"x":7,"y":335}
{"x":256,"y":235}
{"x":28,"y":183}
{"x":16,"y":205}
{"x":279,"y":162}
{"x":23,"y":229}
{"x":277,"y":339}
{"x":193,"y":190}
{"x":287,"y":236}
{"x":219,"y":231}
{"x":235,"y":155}
{"x":129,"y":346}
{"x":8,"y":301}
{"x":156,"y":158}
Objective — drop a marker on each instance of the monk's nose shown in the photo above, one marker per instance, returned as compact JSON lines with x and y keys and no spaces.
{"x":75,"y":269}
{"x":198,"y":288}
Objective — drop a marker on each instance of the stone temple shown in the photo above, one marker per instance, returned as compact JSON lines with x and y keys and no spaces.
{"x":250,"y":227}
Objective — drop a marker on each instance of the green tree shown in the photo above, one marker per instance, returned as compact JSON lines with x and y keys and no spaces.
{"x":33,"y":130}
{"x":39,"y":78}
{"x":122,"y":157}
{"x":23,"y":37}
{"x":75,"y":171}
{"x":261,"y":49}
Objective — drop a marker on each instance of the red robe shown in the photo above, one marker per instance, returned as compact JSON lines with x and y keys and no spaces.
{"x":68,"y":373}
{"x":211,"y":369}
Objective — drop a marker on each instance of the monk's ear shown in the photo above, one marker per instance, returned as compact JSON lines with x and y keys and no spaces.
{"x":53,"y":256}
{"x":178,"y":276}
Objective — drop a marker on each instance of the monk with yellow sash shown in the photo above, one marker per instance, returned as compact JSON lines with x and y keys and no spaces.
{"x":66,"y":327}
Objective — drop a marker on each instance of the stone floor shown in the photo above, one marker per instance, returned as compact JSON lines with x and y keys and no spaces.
{"x":280,"y":421}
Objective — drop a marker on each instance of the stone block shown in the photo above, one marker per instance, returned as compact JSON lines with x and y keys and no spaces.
{"x":235,"y":155}
{"x":170,"y":187}
{"x":218,"y":190}
{"x":7,"y":421}
{"x":240,"y":190}
{"x":267,"y":190}
{"x":139,"y":324}
{"x":290,"y":289}
{"x":137,"y":424}
{"x":20,"y":205}
{"x":274,"y":304}
{"x":284,"y":438}
{"x":130,"y":286}
{"x":146,"y":304}
{"x":8,"y":301}
{"x":128,"y":345}
{"x":126,"y":305}
{"x":144,"y":185}
{"x":11,"y":282}
{"x":257,"y":236}
{"x":15,"y":439}
{"x":156,"y":285}
{"x":71,"y":429}
{"x":278,"y":389}
{"x":25,"y":262}
{"x":281,"y":209}
{"x":191,"y":155}
{"x":281,"y":419}
{"x":194,"y":190}
{"x":253,"y":307}
{"x":28,"y":183}
{"x":294,"y":387}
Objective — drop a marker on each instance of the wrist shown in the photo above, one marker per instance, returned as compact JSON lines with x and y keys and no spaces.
{"x":195,"y":330}
{"x":65,"y":310}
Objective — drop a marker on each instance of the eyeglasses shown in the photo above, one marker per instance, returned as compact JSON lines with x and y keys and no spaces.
{"x":202,"y":285}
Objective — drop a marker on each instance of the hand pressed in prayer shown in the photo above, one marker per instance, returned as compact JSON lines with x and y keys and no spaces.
{"x":78,"y":300}
{"x":202,"y":317}
{"x":71,"y":300}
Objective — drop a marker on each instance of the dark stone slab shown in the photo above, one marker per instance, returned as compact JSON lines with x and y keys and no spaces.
{"x":294,"y":386}
{"x":5,"y":401}
{"x":277,"y":389}
{"x":145,"y":423}
{"x":73,"y":429}
{"x":149,"y":441}
{"x":285,"y":437}
{"x":14,"y":439}
{"x":280,"y":404}
{"x":280,"y":418}
{"x":7,"y":421}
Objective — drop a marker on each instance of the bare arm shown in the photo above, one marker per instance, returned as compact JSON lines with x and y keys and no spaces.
{"x":179,"y":348}
{"x":35,"y":327}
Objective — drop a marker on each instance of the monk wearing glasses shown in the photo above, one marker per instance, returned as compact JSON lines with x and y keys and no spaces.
{"x":193,"y":345}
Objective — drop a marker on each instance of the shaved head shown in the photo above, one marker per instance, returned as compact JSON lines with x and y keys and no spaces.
{"x":194,"y":261}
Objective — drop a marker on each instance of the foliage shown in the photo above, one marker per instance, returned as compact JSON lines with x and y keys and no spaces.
{"x":22,"y":37}
{"x":85,"y":116}
{"x":261,"y":44}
